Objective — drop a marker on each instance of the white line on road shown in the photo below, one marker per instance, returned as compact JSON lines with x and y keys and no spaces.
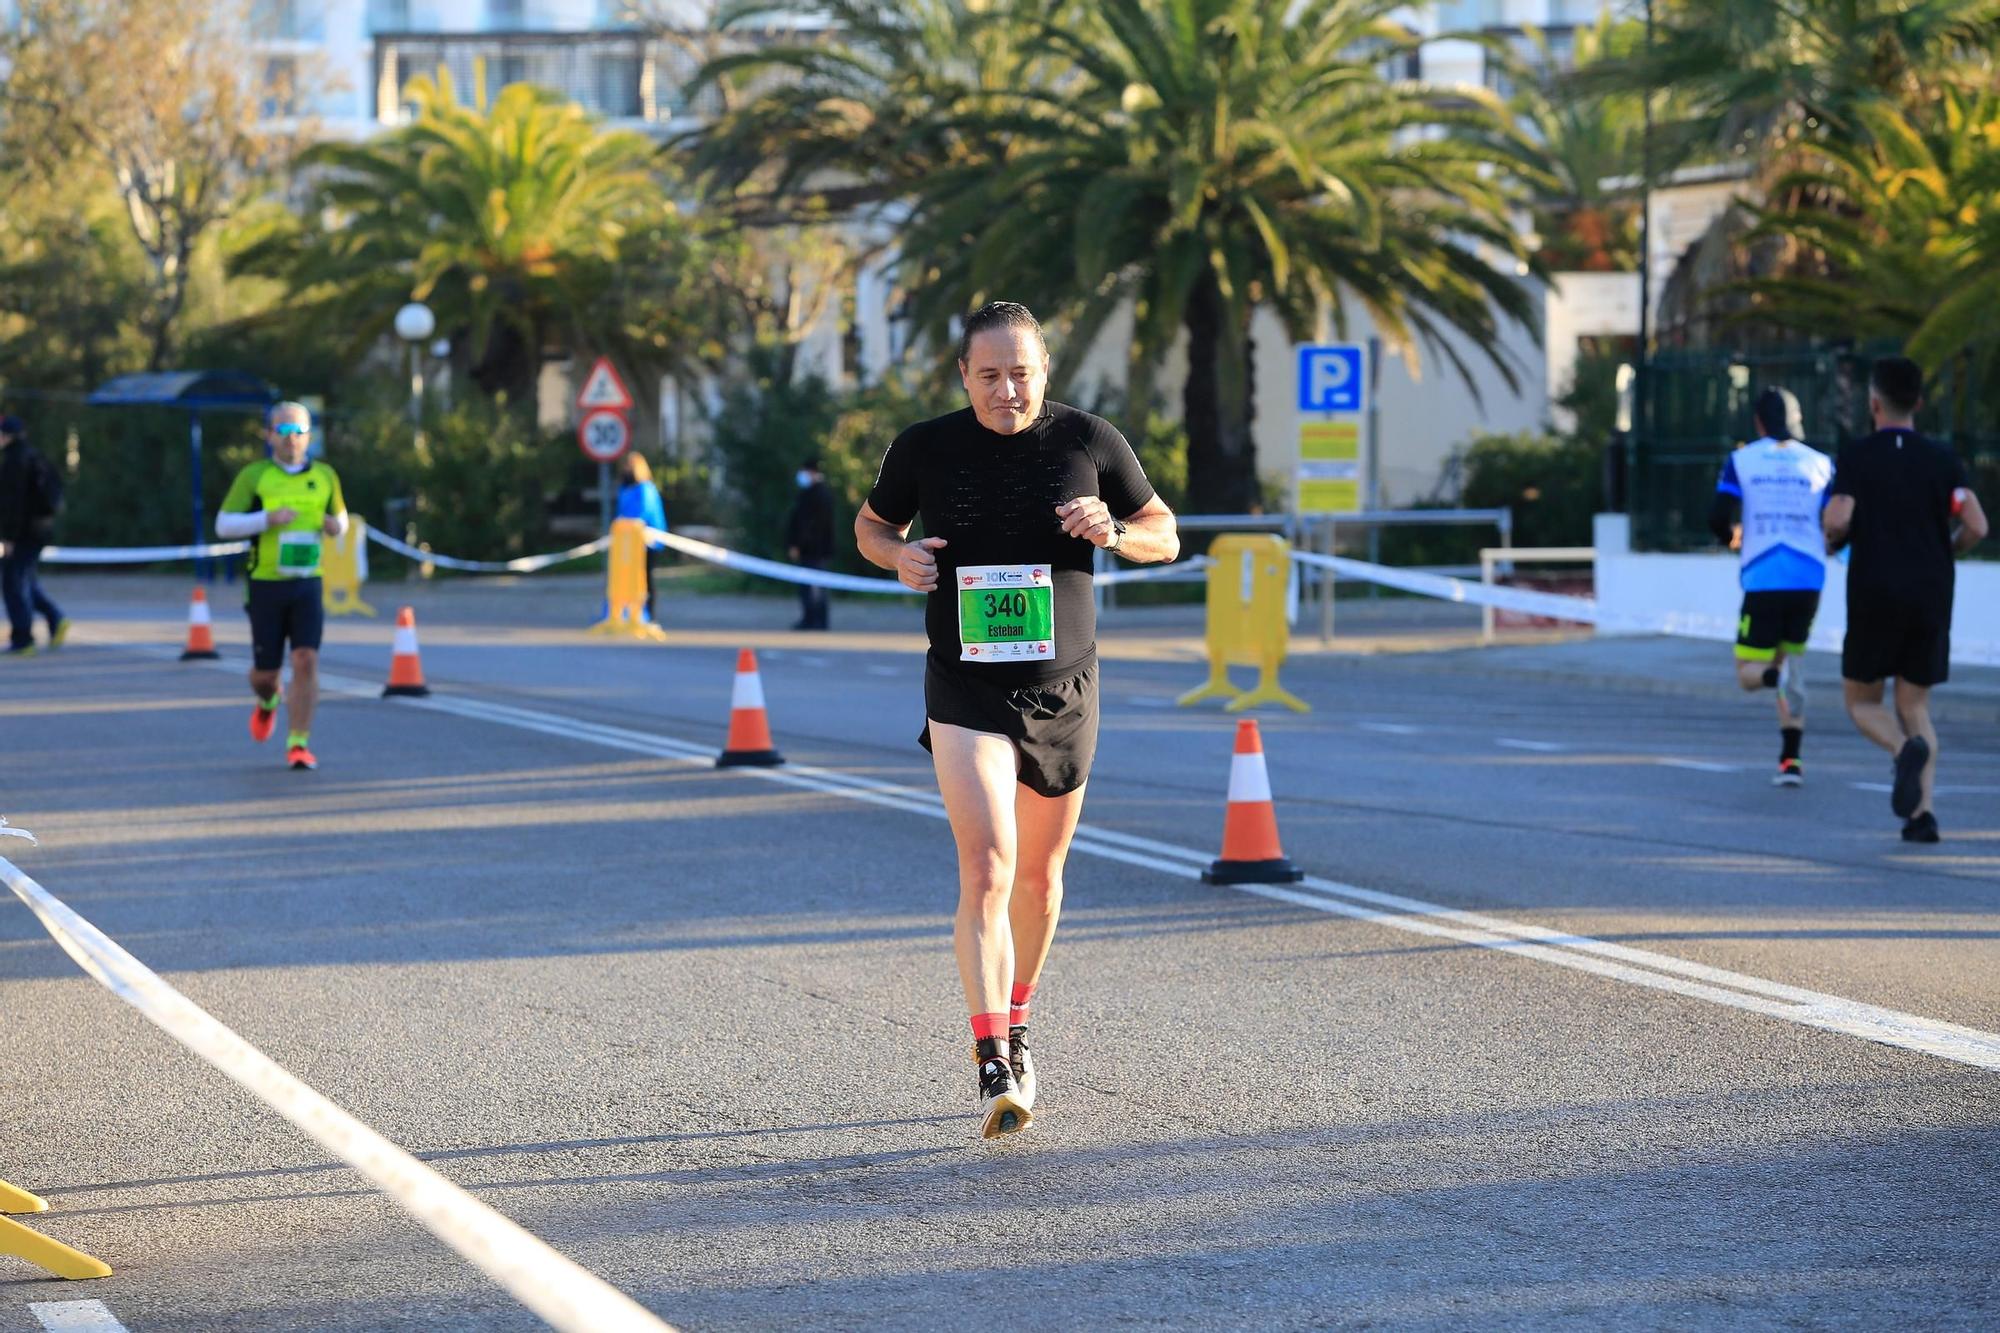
{"x":1539,"y":747}
{"x":1390,"y":728}
{"x":877,"y":669}
{"x":75,"y":1317}
{"x":1698,"y":765}
{"x":1618,"y":962}
{"x":1942,"y":789}
{"x":1148,"y":701}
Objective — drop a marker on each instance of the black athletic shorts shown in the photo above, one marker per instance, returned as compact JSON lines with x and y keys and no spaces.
{"x":280,"y":610}
{"x":1053,"y":726}
{"x":1773,"y":620}
{"x":1891,"y":635}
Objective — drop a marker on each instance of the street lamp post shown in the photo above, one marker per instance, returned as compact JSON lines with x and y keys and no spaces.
{"x":414,"y":325}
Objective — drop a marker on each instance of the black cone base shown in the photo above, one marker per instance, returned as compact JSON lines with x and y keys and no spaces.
{"x":1277,"y":871}
{"x":192,"y":656}
{"x":749,"y":759}
{"x":406,"y":691}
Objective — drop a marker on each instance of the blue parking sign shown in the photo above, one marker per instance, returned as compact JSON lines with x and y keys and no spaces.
{"x":1332,"y":378}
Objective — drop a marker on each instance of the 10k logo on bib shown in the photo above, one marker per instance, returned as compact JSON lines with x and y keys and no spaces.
{"x":1006,"y":613}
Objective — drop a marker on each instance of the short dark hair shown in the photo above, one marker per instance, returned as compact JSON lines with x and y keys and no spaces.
{"x":999,"y":315}
{"x":1897,"y":381}
{"x":1778,"y":414}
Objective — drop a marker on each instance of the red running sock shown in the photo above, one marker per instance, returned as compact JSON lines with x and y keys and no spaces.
{"x":1017,"y":1011}
{"x":989,"y":1025}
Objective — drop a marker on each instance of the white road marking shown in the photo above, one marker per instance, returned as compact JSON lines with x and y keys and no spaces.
{"x":1698,"y":765}
{"x":1639,"y":967}
{"x":75,"y":1317}
{"x":877,"y":669}
{"x":1942,"y":789}
{"x":1390,"y":728}
{"x":1539,"y":747}
{"x":1148,"y":701}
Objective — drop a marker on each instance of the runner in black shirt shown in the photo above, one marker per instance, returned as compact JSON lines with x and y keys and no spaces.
{"x":1014,"y":492}
{"x":1897,"y":496}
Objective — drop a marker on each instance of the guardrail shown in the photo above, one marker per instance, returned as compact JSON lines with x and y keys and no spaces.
{"x":1490,"y":557}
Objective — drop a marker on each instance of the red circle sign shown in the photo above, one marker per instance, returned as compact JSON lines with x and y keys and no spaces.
{"x":604,"y":435}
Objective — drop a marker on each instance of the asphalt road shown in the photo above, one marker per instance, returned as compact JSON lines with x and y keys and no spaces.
{"x":700,"y":1031}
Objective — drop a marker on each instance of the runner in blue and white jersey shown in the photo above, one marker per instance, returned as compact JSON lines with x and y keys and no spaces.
{"x":1767,"y":506}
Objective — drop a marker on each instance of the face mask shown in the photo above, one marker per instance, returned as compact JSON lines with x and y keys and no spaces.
{"x":804,"y":479}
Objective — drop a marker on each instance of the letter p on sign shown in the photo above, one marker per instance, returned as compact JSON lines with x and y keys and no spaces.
{"x":1331,"y":378}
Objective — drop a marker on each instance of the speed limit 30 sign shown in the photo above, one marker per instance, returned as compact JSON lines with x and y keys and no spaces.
{"x":604,"y":435}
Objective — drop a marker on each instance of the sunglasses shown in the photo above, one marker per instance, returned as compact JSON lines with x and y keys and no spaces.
{"x":292,"y":428}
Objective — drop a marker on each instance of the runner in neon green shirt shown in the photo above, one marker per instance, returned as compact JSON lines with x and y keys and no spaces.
{"x":288,"y":504}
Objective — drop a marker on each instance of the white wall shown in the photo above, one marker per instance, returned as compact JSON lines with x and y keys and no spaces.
{"x":1702,"y":593}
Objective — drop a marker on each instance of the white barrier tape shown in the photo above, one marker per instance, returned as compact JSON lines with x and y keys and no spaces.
{"x":1171,"y":573}
{"x":527,"y":564}
{"x":1585,"y":610}
{"x":569,"y":1297}
{"x":137,"y":555}
{"x":773,"y":569}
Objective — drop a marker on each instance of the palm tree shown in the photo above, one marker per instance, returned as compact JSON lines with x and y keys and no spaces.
{"x":1203,"y":158}
{"x":1903,"y":229}
{"x":1196,"y":158}
{"x":524,"y":225}
{"x":1587,"y":139}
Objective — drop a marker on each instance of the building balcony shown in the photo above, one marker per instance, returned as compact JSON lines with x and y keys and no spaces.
{"x":636,"y":78}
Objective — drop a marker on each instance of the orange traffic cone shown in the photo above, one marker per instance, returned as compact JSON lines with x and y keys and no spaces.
{"x":1250,"y":850}
{"x":749,"y":729}
{"x":406,"y":670}
{"x":201,"y":638}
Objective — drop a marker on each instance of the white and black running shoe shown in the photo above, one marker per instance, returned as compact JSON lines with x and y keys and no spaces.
{"x":1001,"y":1110}
{"x":1022,"y":1062}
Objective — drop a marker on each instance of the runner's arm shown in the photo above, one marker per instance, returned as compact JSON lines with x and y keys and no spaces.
{"x":1152,"y":534}
{"x":1836,"y":519}
{"x":242,"y":515}
{"x":884,"y":544}
{"x":335,"y":523}
{"x":1972,"y":525}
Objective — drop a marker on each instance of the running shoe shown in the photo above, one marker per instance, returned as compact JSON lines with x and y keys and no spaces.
{"x":1790,"y":774}
{"x":1921,"y":829}
{"x":59,"y":633}
{"x":263,"y":721}
{"x":300,"y":757}
{"x":1022,"y":1062}
{"x":21,"y":653}
{"x":1792,"y":688}
{"x":1909,"y":786}
{"x":1001,"y":1110}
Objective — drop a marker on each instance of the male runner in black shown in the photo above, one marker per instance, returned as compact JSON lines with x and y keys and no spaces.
{"x":1904,"y":503}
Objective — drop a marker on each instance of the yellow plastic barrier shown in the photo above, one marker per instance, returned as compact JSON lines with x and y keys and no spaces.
{"x":625,"y":584}
{"x":1247,"y":578}
{"x":30,"y":1244}
{"x":343,"y":568}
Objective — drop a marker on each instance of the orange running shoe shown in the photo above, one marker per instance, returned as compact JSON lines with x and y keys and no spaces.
{"x":300,"y":757}
{"x":263,"y":721}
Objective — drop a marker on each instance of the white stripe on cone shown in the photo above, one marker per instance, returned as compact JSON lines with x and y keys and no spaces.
{"x":198,"y":613}
{"x":747,"y":692}
{"x":406,"y":643}
{"x":1248,"y":780}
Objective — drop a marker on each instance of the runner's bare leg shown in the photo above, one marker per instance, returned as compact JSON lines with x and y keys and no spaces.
{"x":976,"y":777}
{"x":1046,"y":824}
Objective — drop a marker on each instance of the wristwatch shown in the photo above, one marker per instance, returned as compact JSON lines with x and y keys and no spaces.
{"x":1117,"y":535}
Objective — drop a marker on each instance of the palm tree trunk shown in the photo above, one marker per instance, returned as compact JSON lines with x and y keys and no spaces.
{"x":1216,"y":407}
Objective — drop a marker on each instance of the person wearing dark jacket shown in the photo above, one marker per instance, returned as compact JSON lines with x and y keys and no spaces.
{"x":30,"y":495}
{"x":809,"y":539}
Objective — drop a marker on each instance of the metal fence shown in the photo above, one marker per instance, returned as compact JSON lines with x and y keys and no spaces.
{"x":1698,"y":408}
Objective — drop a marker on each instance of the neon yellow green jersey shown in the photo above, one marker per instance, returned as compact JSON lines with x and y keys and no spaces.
{"x":291,"y":551}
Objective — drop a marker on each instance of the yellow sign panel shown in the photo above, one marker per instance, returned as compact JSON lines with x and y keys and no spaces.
{"x":1329,"y":495}
{"x":1329,"y":440}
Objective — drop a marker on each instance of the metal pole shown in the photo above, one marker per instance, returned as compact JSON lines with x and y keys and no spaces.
{"x":1374,"y":497}
{"x":1326,"y":598}
{"x":201,"y":568}
{"x":416,"y":386}
{"x":604,"y":496}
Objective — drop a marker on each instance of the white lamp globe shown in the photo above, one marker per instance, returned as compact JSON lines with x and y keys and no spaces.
{"x":415,"y":322}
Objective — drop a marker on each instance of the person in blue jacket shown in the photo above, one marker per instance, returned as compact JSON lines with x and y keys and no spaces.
{"x":639,"y":498}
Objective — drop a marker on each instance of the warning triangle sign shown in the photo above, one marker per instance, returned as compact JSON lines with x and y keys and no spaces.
{"x":603,"y":388}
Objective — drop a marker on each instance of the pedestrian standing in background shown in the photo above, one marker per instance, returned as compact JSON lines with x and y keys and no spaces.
{"x":639,"y":498}
{"x":30,"y":495}
{"x":809,"y":539}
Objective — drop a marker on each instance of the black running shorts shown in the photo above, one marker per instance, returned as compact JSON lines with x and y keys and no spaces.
{"x":1773,"y":620}
{"x":1053,"y":725}
{"x":283,"y":610}
{"x":1891,"y":635}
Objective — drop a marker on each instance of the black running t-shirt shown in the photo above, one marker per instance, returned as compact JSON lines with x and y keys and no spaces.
{"x":993,"y":499}
{"x":1902,"y":484}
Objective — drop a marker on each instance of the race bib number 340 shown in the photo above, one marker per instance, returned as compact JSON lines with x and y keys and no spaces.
{"x":1006,"y":613}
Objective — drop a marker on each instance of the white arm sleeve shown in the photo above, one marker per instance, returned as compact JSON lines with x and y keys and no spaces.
{"x":340,"y":523}
{"x":231,"y":526}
